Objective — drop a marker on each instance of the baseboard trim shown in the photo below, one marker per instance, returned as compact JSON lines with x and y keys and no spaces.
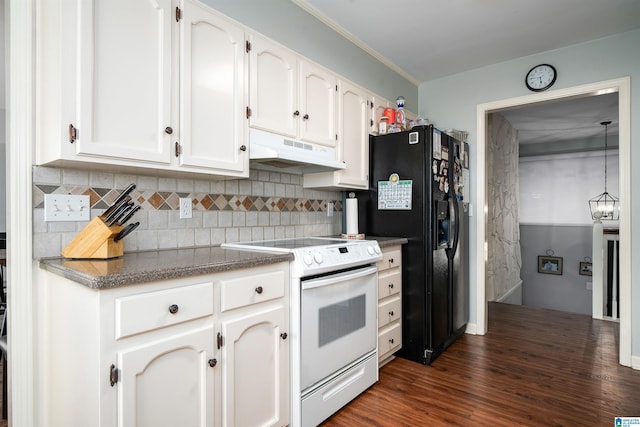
{"x":510,"y":291}
{"x":471,"y":329}
{"x":635,"y":362}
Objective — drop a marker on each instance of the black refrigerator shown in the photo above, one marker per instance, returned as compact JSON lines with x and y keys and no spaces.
{"x":418,"y":181}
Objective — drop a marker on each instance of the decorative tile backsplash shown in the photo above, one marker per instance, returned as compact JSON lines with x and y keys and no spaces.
{"x":265,"y":206}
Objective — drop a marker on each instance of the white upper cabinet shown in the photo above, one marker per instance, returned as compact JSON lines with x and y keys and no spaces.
{"x":142,"y":84}
{"x":379,"y":104}
{"x":273,"y":88}
{"x":318,"y":95}
{"x":354,"y":111}
{"x":291,"y":96}
{"x":212,"y":92}
{"x":123,"y":87}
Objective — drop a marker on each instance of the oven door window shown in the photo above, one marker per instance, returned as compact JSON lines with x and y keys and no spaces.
{"x":338,"y":320}
{"x":339,"y":323}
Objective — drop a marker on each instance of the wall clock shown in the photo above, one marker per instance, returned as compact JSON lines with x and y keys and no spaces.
{"x":541,"y":77}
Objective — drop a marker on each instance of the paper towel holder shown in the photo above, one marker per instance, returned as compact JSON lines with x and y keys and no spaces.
{"x":352,"y":219}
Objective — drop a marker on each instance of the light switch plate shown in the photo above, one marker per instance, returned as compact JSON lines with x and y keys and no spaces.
{"x":66,"y":207}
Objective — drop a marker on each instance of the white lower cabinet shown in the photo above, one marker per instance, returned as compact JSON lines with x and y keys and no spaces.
{"x":203,"y":351}
{"x":168,"y":382}
{"x":255,"y":349}
{"x":255,"y":369}
{"x":389,"y":303}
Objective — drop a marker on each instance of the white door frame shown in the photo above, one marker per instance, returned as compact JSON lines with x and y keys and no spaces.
{"x":623,"y":87}
{"x":20,"y":84}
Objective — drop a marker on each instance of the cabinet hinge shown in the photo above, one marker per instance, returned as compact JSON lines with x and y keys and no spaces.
{"x":178,"y":149}
{"x":247,"y":46}
{"x":113,"y":375}
{"x":220,"y":340}
{"x":73,"y":134}
{"x":178,"y":14}
{"x":336,"y":88}
{"x":248,"y":112}
{"x":336,"y":136}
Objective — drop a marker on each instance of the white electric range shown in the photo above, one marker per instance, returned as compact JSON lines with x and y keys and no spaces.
{"x":334,"y":300}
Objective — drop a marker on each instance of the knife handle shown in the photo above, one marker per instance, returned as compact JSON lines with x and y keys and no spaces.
{"x":129,"y":214}
{"x":125,"y":231}
{"x":118,"y":200}
{"x":120,"y":212}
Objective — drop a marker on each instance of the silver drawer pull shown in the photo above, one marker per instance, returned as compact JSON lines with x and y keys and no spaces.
{"x":390,"y":285}
{"x":391,"y":313}
{"x":259,"y":290}
{"x":391,"y":341}
{"x":173,"y":308}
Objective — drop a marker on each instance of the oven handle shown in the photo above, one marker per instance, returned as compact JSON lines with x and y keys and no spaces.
{"x":336,"y":278}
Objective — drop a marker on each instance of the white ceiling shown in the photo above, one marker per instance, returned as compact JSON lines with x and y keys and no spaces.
{"x":567,"y":121}
{"x":427,"y":39}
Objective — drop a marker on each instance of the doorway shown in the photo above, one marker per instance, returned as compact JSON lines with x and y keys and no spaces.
{"x":622,"y":86}
{"x":543,"y":163}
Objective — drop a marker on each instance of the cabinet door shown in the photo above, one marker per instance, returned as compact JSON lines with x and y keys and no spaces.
{"x":212,"y":92}
{"x":273,"y":88}
{"x":318,"y":89}
{"x":255,"y":369}
{"x":379,"y":104}
{"x":168,"y":382}
{"x":124,"y":83}
{"x":353,"y":113}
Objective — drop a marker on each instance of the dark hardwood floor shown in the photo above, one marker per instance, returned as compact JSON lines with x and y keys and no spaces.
{"x":535,"y":367}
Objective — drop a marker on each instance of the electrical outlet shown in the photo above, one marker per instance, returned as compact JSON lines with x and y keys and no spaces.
{"x":330,"y":209}
{"x":186,"y":206}
{"x":66,"y":207}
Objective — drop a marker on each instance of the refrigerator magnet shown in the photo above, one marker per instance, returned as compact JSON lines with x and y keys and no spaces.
{"x":437,"y":144}
{"x":445,"y":153}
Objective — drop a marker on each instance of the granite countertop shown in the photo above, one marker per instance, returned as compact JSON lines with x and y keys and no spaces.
{"x":384,"y":242}
{"x":149,"y":266}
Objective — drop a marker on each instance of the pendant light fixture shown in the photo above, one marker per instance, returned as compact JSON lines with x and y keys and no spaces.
{"x":604,"y":205}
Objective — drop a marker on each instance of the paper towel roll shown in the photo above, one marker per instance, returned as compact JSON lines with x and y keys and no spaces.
{"x":352,"y":216}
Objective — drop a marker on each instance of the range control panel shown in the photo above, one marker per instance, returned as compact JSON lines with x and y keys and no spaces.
{"x":323,"y":259}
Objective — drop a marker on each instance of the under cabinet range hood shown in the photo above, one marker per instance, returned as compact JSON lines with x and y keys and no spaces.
{"x":271,"y":151}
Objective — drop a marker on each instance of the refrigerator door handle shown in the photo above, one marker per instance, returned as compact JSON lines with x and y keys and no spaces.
{"x":454,"y":228}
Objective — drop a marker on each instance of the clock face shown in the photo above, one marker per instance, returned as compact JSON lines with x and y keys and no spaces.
{"x":541,"y":77}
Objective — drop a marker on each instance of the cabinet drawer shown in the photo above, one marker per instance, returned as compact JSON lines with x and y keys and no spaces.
{"x":249,"y":290}
{"x":389,"y":283}
{"x":390,"y":259}
{"x":153,"y":310}
{"x":389,"y":310}
{"x":390,"y":339}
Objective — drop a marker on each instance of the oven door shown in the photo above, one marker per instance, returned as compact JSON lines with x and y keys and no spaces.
{"x":338,"y":322}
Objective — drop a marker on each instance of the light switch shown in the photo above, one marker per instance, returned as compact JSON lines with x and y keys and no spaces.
{"x":66,"y":207}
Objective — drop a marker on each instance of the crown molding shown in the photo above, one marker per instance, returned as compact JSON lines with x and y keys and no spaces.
{"x":313,"y":11}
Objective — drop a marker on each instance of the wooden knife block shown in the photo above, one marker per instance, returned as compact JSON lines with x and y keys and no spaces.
{"x":95,"y":241}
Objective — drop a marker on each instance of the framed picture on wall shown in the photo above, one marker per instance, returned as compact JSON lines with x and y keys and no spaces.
{"x":549,"y":264}
{"x":585,"y":268}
